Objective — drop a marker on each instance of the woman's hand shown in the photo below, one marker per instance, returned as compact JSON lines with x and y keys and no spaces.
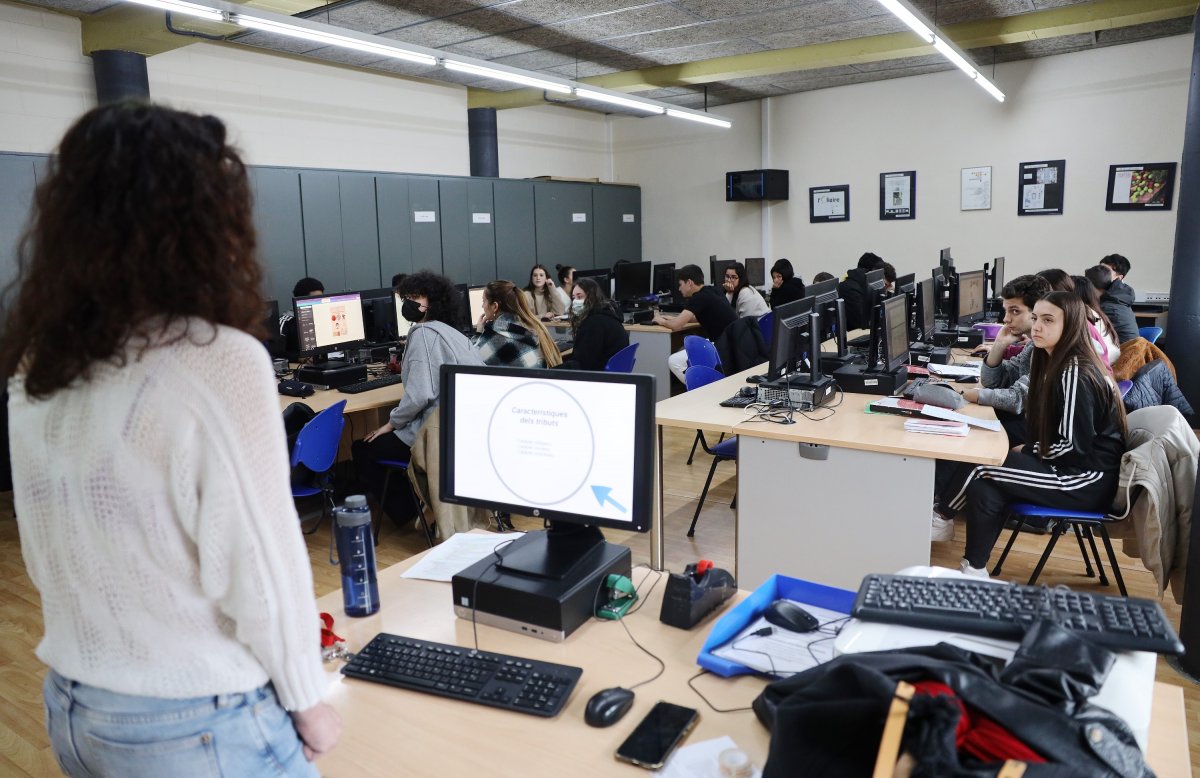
{"x":482,"y":321}
{"x":385,"y":429}
{"x":319,"y":729}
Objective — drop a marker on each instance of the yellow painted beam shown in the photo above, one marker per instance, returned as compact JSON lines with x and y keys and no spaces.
{"x":1039,"y":25}
{"x":128,"y":27}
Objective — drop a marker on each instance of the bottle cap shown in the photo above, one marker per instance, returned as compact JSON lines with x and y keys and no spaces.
{"x":735,"y":764}
{"x":354,"y":512}
{"x":355,"y":501}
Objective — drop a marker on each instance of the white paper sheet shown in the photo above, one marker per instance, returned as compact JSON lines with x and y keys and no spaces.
{"x":699,"y":760}
{"x":456,"y":553}
{"x":938,"y":412}
{"x":955,"y":371}
{"x":784,"y":652}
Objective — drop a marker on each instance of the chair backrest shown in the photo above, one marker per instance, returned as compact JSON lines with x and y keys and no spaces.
{"x":623,"y":360}
{"x":766,"y":325}
{"x":701,"y":352}
{"x":317,"y":444}
{"x":699,"y":376}
{"x":1151,"y":334}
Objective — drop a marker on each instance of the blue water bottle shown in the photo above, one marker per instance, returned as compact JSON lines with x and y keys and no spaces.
{"x":356,"y":548}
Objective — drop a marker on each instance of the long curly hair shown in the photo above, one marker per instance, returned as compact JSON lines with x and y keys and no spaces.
{"x":512,"y":301}
{"x":143,"y":223}
{"x":445,"y":303}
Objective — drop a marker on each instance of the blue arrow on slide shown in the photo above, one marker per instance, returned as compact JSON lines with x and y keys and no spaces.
{"x":604,"y":494}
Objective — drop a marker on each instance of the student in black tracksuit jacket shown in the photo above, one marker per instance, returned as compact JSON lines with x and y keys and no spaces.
{"x":1076,"y":435}
{"x":599,"y":329}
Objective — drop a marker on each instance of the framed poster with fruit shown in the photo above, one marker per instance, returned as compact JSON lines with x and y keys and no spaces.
{"x":1143,"y":187}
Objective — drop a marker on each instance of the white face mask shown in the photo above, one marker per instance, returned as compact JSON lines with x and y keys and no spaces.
{"x":577,"y":306}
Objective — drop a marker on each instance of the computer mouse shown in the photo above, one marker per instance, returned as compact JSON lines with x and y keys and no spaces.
{"x":607,"y":706}
{"x":786,"y":614}
{"x":747,"y":391}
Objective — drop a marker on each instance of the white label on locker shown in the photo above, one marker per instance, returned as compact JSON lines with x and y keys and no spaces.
{"x":627,"y":218}
{"x":424,"y":216}
{"x":481,"y":218}
{"x":578,"y":217}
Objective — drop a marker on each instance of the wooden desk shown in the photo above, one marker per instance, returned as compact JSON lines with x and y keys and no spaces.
{"x":655,"y":344}
{"x":809,"y":492}
{"x":387,"y":397}
{"x":392,"y":731}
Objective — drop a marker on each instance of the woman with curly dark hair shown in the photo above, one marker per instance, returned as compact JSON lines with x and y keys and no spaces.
{"x":152,"y":483}
{"x":431,"y":303}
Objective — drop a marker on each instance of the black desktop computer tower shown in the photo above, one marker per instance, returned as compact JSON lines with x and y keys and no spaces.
{"x":958,"y":338}
{"x":858,"y":380}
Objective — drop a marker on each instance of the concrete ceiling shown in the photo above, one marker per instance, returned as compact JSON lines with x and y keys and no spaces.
{"x":691,"y":53}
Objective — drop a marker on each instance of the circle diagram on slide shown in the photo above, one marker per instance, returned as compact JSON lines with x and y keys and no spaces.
{"x":541,"y":444}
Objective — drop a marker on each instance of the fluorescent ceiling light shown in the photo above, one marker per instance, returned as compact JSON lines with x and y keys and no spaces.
{"x":989,"y":87}
{"x":331,"y":39}
{"x":699,"y":117}
{"x":948,"y":51}
{"x":905,"y":14}
{"x":504,"y":75}
{"x":604,"y":97}
{"x":180,"y":7}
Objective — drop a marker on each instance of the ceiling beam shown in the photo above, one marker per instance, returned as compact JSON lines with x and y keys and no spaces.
{"x":1038,"y":25}
{"x":128,"y":27}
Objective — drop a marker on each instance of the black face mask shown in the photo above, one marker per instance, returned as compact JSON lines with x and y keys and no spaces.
{"x":411,"y":311}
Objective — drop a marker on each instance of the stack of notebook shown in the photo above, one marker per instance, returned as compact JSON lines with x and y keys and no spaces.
{"x":935,"y":427}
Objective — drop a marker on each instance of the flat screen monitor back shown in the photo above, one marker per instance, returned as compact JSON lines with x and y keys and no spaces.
{"x":997,"y":277}
{"x":926,"y":310}
{"x":664,"y":278}
{"x":632,"y":281}
{"x":895,"y":332}
{"x":756,"y":271}
{"x":716,"y":270}
{"x":784,"y":348}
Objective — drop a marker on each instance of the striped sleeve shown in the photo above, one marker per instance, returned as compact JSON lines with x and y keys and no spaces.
{"x":1076,"y":427}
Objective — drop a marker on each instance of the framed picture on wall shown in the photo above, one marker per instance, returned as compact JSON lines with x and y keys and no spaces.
{"x":898,"y":195}
{"x":1145,"y":187}
{"x":975,"y":192}
{"x":1040,"y":187}
{"x":829,"y":203}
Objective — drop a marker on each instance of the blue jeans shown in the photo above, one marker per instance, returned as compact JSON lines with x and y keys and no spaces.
{"x":95,"y":732}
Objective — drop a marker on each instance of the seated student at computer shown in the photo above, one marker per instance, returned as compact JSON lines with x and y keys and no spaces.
{"x":598,"y":329}
{"x":745,"y":299}
{"x":1119,"y":267}
{"x":1076,"y":435}
{"x":1061,"y":281}
{"x":704,"y":305}
{"x":305,"y":287}
{"x":508,"y":332}
{"x":566,"y":282}
{"x":1110,"y":348}
{"x":786,"y":287}
{"x":431,"y":303}
{"x":823,"y":276}
{"x":857,"y":297}
{"x":543,"y":298}
{"x":889,"y":278}
{"x":1117,"y":306}
{"x":151,"y":484}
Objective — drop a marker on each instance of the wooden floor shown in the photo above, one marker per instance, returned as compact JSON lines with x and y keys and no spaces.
{"x":24,"y":749}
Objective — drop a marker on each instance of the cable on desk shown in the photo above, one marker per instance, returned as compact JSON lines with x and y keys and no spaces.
{"x":475,"y":588}
{"x":662,"y":666}
{"x":708,"y":702}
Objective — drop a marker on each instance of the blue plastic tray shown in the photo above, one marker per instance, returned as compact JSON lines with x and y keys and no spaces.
{"x":746,"y":611}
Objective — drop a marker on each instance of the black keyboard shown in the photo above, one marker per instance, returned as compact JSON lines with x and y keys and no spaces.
{"x":739,"y":401}
{"x":522,"y":685}
{"x":1006,"y":610}
{"x":374,"y":383}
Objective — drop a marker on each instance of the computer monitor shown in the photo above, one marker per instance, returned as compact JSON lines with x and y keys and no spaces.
{"x":379,"y":314}
{"x":926,"y":306}
{"x":941,"y":291}
{"x":944,"y":258}
{"x":474,"y":303}
{"x":403,"y":325}
{"x":632,"y":281}
{"x":906,"y":284}
{"x":895,"y":333}
{"x":756,"y":271}
{"x":716,"y":269}
{"x":329,"y":323}
{"x":664,"y":279}
{"x":787,"y":344}
{"x":465,"y":321}
{"x":832,"y":312}
{"x":600,"y":276}
{"x":967,"y":298}
{"x":996,"y":278}
{"x":573,"y":448}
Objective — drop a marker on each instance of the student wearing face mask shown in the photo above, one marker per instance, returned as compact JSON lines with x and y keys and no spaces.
{"x":598,"y":328}
{"x":431,"y":303}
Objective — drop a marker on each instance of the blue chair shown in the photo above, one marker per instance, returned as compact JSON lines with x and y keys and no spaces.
{"x":397,"y":466}
{"x":1151,"y":334}
{"x":701,"y":353}
{"x":1082,"y":522}
{"x":317,"y":448}
{"x":725,"y":451}
{"x":1124,"y":387}
{"x":623,"y":360}
{"x":766,"y":325}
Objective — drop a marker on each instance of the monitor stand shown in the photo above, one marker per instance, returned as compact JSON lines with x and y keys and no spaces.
{"x":553,"y":554}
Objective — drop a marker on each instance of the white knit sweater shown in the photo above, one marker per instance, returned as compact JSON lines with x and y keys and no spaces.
{"x":157,"y":522}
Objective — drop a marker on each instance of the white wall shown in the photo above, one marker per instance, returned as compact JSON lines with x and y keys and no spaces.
{"x":553,"y":141}
{"x":681,"y":167}
{"x":1120,"y":104}
{"x":45,"y":82}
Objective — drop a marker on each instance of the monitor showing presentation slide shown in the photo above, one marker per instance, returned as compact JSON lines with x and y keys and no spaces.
{"x":574,"y":447}
{"x":328,"y":322}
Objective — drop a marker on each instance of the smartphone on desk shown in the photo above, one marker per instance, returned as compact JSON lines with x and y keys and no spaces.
{"x":657,"y":735}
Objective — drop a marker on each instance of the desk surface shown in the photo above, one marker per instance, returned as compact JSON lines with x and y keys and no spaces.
{"x":389,"y":731}
{"x":632,"y":327}
{"x":387,"y":397}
